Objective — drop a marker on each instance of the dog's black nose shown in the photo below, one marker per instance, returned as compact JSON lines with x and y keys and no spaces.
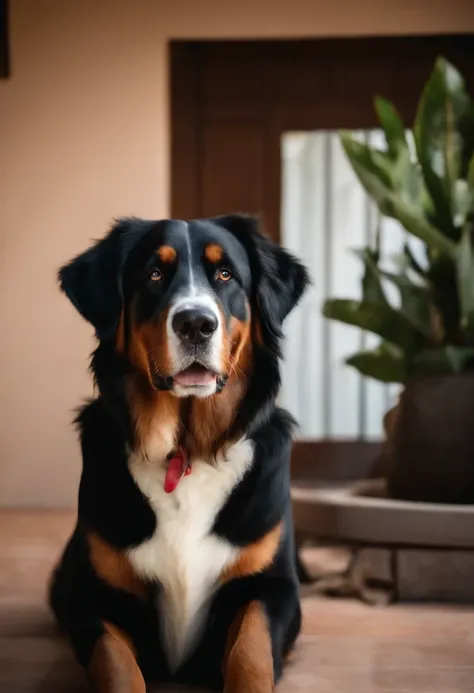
{"x":195,"y":325}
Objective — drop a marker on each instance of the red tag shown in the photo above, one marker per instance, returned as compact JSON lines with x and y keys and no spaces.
{"x":178,"y":466}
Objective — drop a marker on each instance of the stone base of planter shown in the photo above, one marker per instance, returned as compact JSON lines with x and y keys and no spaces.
{"x":401,"y":551}
{"x":386,"y":575}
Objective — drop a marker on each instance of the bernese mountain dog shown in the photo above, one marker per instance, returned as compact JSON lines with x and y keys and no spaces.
{"x":182,"y":562}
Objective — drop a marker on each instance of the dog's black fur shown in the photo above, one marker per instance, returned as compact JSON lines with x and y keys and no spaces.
{"x":100,"y":283}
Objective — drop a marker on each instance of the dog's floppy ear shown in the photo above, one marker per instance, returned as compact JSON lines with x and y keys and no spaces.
{"x":93,"y":280}
{"x":279,"y":278}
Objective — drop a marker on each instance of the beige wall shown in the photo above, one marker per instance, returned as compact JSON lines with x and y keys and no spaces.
{"x":84,"y":138}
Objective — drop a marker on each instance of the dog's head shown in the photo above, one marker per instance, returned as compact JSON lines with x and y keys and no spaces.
{"x":184,"y":302}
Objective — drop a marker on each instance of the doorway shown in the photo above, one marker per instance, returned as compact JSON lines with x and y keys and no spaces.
{"x":254,"y":128}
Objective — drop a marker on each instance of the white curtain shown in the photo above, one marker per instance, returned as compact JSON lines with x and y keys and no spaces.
{"x":325,"y":213}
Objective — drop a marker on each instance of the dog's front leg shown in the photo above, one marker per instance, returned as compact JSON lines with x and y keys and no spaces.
{"x":248,"y":660}
{"x":113,"y":667}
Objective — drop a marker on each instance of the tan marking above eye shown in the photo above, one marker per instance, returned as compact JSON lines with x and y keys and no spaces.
{"x":214,"y":252}
{"x":166,"y":253}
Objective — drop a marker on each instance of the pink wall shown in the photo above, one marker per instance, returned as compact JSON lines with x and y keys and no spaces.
{"x":83,"y":138}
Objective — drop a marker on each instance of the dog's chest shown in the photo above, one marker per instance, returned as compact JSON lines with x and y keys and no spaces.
{"x":182,"y":555}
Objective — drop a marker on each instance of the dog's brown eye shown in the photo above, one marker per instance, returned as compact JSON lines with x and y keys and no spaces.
{"x":156,"y":276}
{"x":224,"y":275}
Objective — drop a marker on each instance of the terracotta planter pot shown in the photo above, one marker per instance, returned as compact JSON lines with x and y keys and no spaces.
{"x":429,"y":451}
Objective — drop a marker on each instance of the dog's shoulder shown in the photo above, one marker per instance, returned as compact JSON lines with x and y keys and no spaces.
{"x":110,"y":502}
{"x":261,"y":499}
{"x":102,"y":429}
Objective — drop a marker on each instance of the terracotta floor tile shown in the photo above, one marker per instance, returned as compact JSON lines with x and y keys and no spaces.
{"x":346,"y":646}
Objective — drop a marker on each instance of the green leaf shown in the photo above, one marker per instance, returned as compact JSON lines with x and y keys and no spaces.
{"x":470,"y":174}
{"x":415,"y":299}
{"x":373,"y":172}
{"x":406,"y":264}
{"x":465,"y":280}
{"x":412,"y":262}
{"x":371,"y":167}
{"x":407,"y":181}
{"x":393,"y":126}
{"x":450,"y":359}
{"x":463,"y":201}
{"x":381,"y":319}
{"x":395,"y":167}
{"x":378,"y":236}
{"x":415,"y":302}
{"x":371,"y":286}
{"x":442,"y":279}
{"x":418,"y":226}
{"x":380,"y":173}
{"x":466,"y":129}
{"x":386,"y":364}
{"x":443,"y":105}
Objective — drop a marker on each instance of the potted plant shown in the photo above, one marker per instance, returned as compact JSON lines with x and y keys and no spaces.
{"x":427,"y":341}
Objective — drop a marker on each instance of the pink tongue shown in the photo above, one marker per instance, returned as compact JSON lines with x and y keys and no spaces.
{"x":194,"y":376}
{"x":177,"y":468}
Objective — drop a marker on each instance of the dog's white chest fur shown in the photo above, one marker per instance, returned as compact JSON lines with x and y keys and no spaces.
{"x":181,"y":554}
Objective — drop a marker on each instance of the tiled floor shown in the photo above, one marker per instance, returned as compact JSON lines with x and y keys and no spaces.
{"x":346,"y":647}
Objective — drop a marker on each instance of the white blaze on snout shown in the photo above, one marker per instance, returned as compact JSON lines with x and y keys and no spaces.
{"x":181,"y":355}
{"x":192,"y":297}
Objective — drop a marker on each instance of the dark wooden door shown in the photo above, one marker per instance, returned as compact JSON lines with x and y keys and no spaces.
{"x":231,"y":103}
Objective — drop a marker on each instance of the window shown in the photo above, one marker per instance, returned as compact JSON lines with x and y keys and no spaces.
{"x":325,"y":214}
